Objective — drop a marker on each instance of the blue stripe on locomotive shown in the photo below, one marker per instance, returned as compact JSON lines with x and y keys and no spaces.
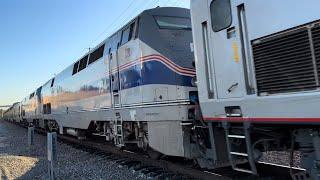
{"x":153,"y":72}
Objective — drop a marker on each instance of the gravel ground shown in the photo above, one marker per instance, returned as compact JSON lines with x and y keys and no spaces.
{"x":18,"y":161}
{"x":282,"y":158}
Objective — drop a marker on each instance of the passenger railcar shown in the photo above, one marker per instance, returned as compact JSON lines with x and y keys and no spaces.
{"x":133,"y":88}
{"x":23,"y":105}
{"x":257,"y":68}
{"x":7,"y":115}
{"x":16,"y":112}
{"x":29,"y":108}
{"x":13,"y":113}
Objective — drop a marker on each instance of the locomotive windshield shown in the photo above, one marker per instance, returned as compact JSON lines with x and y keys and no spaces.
{"x":168,"y":22}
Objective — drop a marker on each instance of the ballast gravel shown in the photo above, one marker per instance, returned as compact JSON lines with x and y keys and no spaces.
{"x":18,"y":161}
{"x":282,"y":158}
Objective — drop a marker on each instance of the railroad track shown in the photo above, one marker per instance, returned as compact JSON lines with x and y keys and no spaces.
{"x":140,"y":163}
{"x":163,"y":169}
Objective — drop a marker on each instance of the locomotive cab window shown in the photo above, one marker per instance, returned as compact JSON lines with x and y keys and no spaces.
{"x":221,"y":17}
{"x":168,"y":22}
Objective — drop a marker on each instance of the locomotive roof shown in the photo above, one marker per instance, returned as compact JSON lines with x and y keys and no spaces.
{"x":159,"y":11}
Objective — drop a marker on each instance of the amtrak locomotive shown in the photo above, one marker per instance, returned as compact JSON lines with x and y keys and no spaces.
{"x":133,"y":88}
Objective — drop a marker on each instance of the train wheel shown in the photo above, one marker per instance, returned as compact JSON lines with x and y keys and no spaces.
{"x":53,"y":126}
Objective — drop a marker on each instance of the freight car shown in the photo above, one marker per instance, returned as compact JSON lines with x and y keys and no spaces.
{"x":258,"y":80}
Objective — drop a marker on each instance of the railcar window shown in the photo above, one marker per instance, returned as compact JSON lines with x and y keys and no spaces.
{"x":127,"y":34}
{"x":132,"y":30}
{"x":221,"y":17}
{"x":167,"y":22}
{"x":83,"y":63}
{"x":75,"y":68}
{"x":39,"y":91}
{"x":31,"y":95}
{"x":115,"y":40}
{"x":97,"y":54}
{"x":47,"y":108}
{"x":52,"y":82}
{"x":44,"y":109}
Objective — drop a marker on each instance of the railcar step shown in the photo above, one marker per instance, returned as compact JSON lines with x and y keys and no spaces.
{"x":99,"y":134}
{"x":120,"y":145}
{"x":233,"y":115}
{"x":239,"y":154}
{"x":234,"y":155}
{"x":237,"y":136}
{"x":244,"y":170}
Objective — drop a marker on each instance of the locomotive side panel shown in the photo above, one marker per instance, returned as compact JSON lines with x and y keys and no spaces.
{"x":130,"y":73}
{"x":169,"y":54}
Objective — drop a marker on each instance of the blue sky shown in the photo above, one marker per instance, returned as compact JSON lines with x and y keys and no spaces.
{"x":39,"y":38}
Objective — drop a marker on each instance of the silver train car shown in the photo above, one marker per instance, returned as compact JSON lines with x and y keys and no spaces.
{"x":134,"y":88}
{"x":257,"y":68}
{"x":31,"y":107}
{"x":13,"y":113}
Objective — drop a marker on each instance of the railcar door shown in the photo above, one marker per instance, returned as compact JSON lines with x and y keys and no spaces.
{"x":38,"y":102}
{"x":114,"y":74}
{"x":223,"y":49}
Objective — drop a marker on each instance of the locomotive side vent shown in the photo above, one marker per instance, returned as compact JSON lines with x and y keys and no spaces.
{"x":288,"y":61}
{"x":316,"y":43}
